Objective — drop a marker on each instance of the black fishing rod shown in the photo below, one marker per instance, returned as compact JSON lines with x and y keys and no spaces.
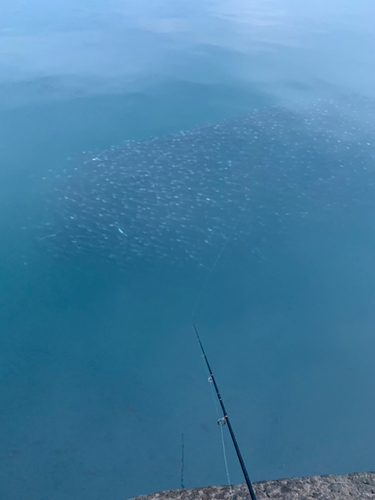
{"x":225,"y":420}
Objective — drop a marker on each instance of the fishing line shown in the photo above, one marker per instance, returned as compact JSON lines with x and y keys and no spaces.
{"x":224,"y":420}
{"x":221,"y":425}
{"x":225,"y":461}
{"x":182,"y":462}
{"x":205,"y":284}
{"x":193,"y":314}
{"x":220,"y":422}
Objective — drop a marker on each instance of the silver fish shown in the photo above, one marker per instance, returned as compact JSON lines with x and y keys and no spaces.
{"x":179,"y":197}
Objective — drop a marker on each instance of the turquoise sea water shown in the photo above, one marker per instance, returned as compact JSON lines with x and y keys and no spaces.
{"x":100,"y":372}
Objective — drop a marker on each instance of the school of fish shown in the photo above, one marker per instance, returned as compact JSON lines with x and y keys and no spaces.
{"x":181,"y":196}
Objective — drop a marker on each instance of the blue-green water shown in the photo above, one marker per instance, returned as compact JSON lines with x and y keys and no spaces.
{"x":100,"y":372}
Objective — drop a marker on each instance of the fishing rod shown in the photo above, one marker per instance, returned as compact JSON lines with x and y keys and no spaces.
{"x":225,"y":419}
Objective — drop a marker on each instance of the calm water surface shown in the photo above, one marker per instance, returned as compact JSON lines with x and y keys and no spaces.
{"x":100,"y":372}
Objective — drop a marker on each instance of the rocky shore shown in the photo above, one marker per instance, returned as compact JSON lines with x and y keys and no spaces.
{"x":357,"y":486}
